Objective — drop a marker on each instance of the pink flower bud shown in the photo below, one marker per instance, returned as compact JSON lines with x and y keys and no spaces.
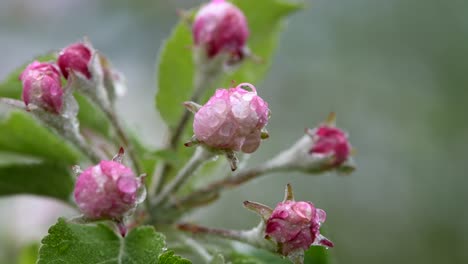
{"x":42,"y":86}
{"x":296,"y":226}
{"x":232,"y":119}
{"x":107,"y":190}
{"x":75,"y":57}
{"x":220,"y":26}
{"x":331,"y":141}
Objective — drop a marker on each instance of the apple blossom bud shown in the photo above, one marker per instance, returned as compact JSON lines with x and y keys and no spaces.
{"x":42,"y":86}
{"x":296,"y":226}
{"x":108,"y":190}
{"x":331,"y":141}
{"x":75,"y":57}
{"x":232,"y":119}
{"x":220,"y":26}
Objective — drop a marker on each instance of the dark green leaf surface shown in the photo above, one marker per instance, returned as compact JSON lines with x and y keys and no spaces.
{"x":317,"y":255}
{"x":20,"y":133}
{"x":45,"y":179}
{"x":175,"y":73}
{"x":170,"y":258}
{"x":93,"y":244}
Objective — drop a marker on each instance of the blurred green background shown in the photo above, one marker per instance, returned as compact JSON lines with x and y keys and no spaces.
{"x":395,"y":71}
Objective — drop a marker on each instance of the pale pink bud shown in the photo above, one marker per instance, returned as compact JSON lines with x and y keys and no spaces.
{"x":107,"y":190}
{"x":42,"y":86}
{"x":331,"y":141}
{"x":75,"y":57}
{"x":232,"y":119}
{"x":296,"y":225}
{"x":220,"y":26}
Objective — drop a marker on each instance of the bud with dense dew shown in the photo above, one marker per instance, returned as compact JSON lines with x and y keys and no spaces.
{"x":219,"y":27}
{"x":233,"y":119}
{"x":108,"y":190}
{"x":42,"y":86}
{"x":292,"y":225}
{"x":331,"y":142}
{"x":76,"y":58}
{"x":296,"y":225}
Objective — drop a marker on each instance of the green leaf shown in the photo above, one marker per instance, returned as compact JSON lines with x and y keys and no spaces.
{"x":317,"y":255}
{"x":175,"y":73}
{"x":257,"y":256}
{"x":47,"y":179}
{"x":265,"y":28}
{"x":176,"y":69}
{"x":170,"y":258}
{"x":28,"y":254}
{"x":87,"y":244}
{"x":22,"y":134}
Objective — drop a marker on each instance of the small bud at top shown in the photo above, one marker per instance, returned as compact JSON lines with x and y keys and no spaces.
{"x":232,"y":119}
{"x":108,"y":190}
{"x":331,"y":141}
{"x":42,"y":86}
{"x":75,"y":57}
{"x":220,"y":26}
{"x":295,"y":225}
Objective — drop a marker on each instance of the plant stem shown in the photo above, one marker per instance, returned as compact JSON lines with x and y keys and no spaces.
{"x":79,"y":141}
{"x":203,"y":80}
{"x":198,"y":197}
{"x":199,"y":157}
{"x":197,"y":248}
{"x":254,"y":237}
{"x":123,"y":137}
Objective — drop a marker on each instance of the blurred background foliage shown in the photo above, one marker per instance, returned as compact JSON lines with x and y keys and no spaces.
{"x":395,"y":71}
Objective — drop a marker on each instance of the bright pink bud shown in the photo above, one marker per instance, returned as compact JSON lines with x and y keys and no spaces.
{"x":221,"y":27}
{"x":296,"y":225}
{"x":107,"y":190}
{"x":42,"y":86}
{"x":232,"y":119}
{"x":75,"y":57}
{"x":331,"y":141}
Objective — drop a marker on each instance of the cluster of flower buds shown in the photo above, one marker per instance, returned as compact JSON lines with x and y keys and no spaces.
{"x":233,"y":119}
{"x":85,"y":70}
{"x":221,"y":28}
{"x":293,"y":225}
{"x":91,"y":73}
{"x":108,"y":190}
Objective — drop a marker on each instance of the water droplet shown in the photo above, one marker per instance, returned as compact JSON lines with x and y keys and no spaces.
{"x":219,"y":106}
{"x":227,"y":129}
{"x":141,"y":195}
{"x":241,"y":110}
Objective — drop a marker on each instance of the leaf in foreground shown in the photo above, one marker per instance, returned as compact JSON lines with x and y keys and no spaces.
{"x":88,"y":244}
